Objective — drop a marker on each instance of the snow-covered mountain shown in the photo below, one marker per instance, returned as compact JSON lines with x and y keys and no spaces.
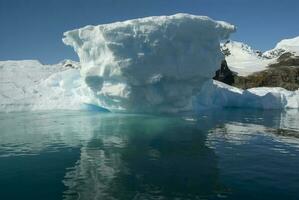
{"x":244,"y":60}
{"x":287,"y":45}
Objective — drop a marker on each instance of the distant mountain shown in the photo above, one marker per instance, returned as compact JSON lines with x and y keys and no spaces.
{"x":244,"y":60}
{"x":251,"y":68}
{"x":284,"y":46}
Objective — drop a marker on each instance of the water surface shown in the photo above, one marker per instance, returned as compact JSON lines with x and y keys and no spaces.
{"x":224,"y":154}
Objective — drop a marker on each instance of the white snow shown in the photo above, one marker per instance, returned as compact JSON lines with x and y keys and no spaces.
{"x":243,"y":59}
{"x":153,"y":64}
{"x":215,"y":94}
{"x":286,"y":45}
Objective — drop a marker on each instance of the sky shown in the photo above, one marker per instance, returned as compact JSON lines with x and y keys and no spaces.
{"x":33,"y":29}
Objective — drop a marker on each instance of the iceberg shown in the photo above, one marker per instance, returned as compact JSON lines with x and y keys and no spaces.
{"x":152,"y":64}
{"x":29,"y":85}
{"x":160,"y":64}
{"x":215,"y":94}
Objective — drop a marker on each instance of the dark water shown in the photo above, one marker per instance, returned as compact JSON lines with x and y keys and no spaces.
{"x":225,"y":154}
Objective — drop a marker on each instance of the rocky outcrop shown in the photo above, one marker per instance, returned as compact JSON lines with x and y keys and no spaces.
{"x":224,"y":74}
{"x":286,"y":59}
{"x":284,"y":73}
{"x":285,"y":76}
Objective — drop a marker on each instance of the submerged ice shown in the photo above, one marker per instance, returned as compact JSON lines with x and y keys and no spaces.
{"x":153,"y":64}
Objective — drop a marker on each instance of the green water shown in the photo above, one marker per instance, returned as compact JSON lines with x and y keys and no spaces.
{"x":225,"y":154}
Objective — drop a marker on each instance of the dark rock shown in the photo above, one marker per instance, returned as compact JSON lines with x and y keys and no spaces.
{"x":224,"y":49}
{"x":69,"y":65}
{"x":286,"y":59}
{"x":224,"y":74}
{"x":284,"y":76}
{"x":284,"y":73}
{"x":259,"y":53}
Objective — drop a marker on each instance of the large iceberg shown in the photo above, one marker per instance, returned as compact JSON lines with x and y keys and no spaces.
{"x":153,"y":64}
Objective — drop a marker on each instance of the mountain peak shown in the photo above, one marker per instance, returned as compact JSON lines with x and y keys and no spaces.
{"x":286,"y":45}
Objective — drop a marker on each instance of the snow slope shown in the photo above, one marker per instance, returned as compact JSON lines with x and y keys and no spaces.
{"x":29,"y":85}
{"x":244,"y":60}
{"x":153,"y":64}
{"x":286,"y":45}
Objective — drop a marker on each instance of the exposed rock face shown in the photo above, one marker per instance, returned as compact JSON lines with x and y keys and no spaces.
{"x":224,"y":74}
{"x":286,"y":59}
{"x":285,"y":76}
{"x":250,"y":68}
{"x":284,"y":73}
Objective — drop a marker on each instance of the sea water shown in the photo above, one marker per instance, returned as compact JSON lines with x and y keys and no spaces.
{"x":220,"y":154}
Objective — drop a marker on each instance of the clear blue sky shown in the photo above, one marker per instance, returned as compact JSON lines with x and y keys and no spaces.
{"x":32,"y":29}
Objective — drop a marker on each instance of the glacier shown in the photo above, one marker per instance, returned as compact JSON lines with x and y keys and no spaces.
{"x":152,"y":64}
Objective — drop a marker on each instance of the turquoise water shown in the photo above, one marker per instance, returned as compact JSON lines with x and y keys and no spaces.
{"x":224,"y":154}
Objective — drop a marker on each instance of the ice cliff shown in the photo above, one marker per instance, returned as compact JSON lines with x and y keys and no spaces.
{"x":153,"y":64}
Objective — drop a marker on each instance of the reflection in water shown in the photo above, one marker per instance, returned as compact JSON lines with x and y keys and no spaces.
{"x":233,"y":154}
{"x":144,"y":158}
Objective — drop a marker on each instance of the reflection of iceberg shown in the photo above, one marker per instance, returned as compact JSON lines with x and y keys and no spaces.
{"x":244,"y":126}
{"x":148,"y":157}
{"x":252,"y":157}
{"x":37,"y":132}
{"x":144,"y":158}
{"x":289,"y":120}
